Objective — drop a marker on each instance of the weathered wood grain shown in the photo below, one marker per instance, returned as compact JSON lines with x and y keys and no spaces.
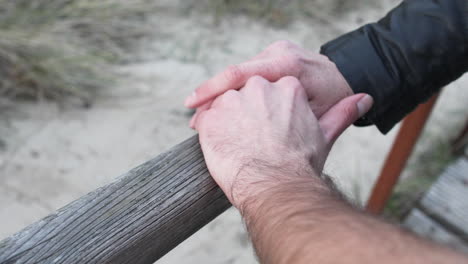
{"x":425,"y":226}
{"x":136,"y":219}
{"x":447,"y":200}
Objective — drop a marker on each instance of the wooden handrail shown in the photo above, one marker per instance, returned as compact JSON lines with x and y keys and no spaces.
{"x":136,"y":219}
{"x":151,"y":209}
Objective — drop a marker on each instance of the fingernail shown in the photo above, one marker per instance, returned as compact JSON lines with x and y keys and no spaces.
{"x":364,"y":104}
{"x":190,"y":100}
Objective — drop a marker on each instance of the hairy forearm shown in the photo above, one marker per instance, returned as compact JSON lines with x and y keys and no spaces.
{"x":306,"y":221}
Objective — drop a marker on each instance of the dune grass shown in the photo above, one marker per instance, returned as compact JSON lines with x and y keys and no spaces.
{"x":425,"y":171}
{"x":58,"y":48}
{"x":280,"y":13}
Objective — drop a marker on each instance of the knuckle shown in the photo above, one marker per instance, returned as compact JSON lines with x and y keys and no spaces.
{"x":229,"y":96}
{"x":292,"y":83}
{"x":257,"y":85}
{"x":292,"y":87}
{"x":256,"y":80}
{"x":226,"y":100}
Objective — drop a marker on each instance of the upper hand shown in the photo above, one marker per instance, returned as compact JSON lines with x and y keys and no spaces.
{"x":266,"y":134}
{"x":323,"y":83}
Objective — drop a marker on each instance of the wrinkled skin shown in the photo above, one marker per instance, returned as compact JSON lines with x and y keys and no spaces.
{"x":269,"y":127}
{"x":323,"y":83}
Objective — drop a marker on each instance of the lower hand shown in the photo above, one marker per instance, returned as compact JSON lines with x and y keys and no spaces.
{"x":266,"y":134}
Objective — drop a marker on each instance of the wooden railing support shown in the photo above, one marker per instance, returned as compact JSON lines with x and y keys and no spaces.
{"x":136,"y":219}
{"x":398,"y":156}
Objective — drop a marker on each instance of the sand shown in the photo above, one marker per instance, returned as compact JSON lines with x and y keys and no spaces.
{"x":54,"y":154}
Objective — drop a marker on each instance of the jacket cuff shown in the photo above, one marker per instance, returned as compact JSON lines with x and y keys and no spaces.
{"x":359,"y":62}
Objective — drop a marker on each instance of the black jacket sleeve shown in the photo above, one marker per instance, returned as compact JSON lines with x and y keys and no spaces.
{"x":410,"y":54}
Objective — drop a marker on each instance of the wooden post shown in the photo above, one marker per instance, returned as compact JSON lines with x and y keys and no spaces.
{"x":398,"y":156}
{"x":136,"y":219}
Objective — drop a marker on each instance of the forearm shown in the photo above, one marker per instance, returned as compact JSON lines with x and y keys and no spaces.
{"x":305,"y":221}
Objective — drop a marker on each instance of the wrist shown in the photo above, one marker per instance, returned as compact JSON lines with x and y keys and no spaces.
{"x":281,"y":189}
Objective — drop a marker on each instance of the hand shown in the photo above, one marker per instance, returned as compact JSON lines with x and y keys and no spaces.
{"x":324,"y":84}
{"x":266,"y":134}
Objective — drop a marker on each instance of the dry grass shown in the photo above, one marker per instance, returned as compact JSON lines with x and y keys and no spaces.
{"x":57,"y":48}
{"x":424,"y":171}
{"x":281,"y":13}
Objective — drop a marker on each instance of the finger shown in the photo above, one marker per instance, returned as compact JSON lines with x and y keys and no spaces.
{"x":289,"y":82}
{"x":318,"y":109}
{"x":200,"y":121}
{"x":234,"y":77}
{"x":294,"y":86}
{"x":255,"y":86}
{"x":200,"y":109}
{"x":344,"y":114}
{"x":262,"y":55}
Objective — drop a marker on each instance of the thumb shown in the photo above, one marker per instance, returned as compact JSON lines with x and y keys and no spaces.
{"x":344,"y":114}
